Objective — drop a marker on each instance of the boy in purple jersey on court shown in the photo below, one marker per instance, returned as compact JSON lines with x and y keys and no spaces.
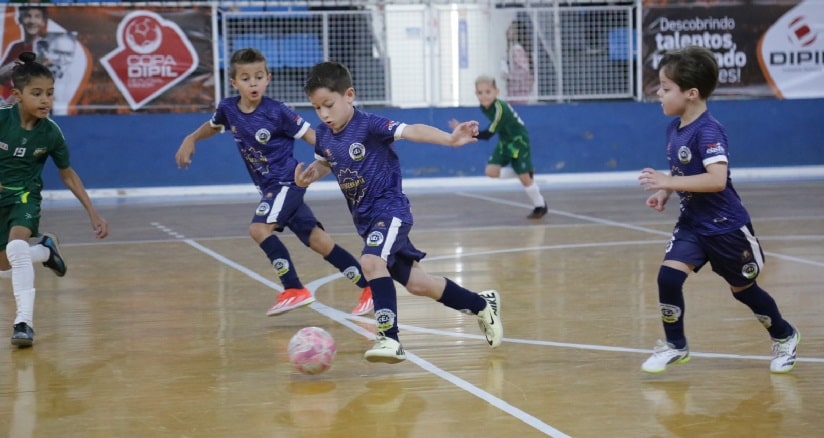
{"x":713,"y":225}
{"x":357,"y":147}
{"x":265,"y":131}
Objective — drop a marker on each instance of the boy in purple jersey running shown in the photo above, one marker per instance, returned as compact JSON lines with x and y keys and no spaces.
{"x":265,"y":131}
{"x":713,"y":225}
{"x":357,"y":147}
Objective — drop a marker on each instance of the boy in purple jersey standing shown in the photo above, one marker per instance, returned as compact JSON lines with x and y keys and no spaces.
{"x":265,"y":131}
{"x":357,"y":147}
{"x":713,"y":225}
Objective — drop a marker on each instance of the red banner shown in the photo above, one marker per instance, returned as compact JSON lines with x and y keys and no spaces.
{"x":762,"y":49}
{"x":117,"y":59}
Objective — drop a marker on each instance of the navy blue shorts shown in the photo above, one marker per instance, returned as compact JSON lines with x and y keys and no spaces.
{"x":284,"y":206}
{"x":736,"y":256}
{"x":388,"y":238}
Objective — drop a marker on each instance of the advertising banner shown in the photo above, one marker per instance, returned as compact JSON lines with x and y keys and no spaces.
{"x":763,"y":50}
{"x":115,"y":59}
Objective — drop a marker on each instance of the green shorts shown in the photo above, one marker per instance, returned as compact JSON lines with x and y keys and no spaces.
{"x":24,"y":214}
{"x":515,"y":153}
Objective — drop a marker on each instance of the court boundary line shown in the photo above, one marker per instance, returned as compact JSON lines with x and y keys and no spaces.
{"x":582,"y":179}
{"x":334,"y":315}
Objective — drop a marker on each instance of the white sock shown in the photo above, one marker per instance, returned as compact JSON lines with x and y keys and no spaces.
{"x":39,"y":253}
{"x":534,"y":194}
{"x":507,"y":172}
{"x":22,"y":280}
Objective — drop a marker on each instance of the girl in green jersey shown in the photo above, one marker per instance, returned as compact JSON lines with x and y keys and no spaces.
{"x":27,"y":138}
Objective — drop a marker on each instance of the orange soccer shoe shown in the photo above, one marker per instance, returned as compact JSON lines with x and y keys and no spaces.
{"x":365,"y":304}
{"x":291,"y":299}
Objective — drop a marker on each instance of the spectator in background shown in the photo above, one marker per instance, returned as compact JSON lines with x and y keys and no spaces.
{"x":33,"y":20}
{"x":518,"y":68}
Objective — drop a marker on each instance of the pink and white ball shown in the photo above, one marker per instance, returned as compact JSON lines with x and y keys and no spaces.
{"x":312,"y":350}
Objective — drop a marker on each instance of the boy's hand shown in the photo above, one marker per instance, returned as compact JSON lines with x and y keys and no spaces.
{"x":453,"y":123}
{"x":184,"y":154}
{"x":464,"y":133}
{"x":305,"y":177}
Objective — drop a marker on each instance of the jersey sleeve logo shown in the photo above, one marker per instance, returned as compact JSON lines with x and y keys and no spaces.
{"x":715,"y":149}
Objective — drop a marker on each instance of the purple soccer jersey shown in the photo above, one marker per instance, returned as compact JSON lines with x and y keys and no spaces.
{"x":367,"y":168}
{"x":264,"y":137}
{"x":689,"y":151}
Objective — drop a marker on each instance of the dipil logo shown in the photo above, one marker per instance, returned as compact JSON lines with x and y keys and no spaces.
{"x":152,"y":55}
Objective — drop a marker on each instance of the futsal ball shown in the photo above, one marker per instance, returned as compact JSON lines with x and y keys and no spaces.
{"x":312,"y":350}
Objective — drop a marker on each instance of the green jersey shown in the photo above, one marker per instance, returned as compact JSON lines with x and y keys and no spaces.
{"x":505,"y":122}
{"x":23,"y":154}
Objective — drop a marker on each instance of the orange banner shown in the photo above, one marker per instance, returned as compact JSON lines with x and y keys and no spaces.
{"x":116,"y":59}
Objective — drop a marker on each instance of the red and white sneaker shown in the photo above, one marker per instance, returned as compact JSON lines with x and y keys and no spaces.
{"x":365,"y":304}
{"x":291,"y":299}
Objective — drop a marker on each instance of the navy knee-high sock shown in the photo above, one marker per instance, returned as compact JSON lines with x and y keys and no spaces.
{"x":347,"y":265}
{"x":671,"y":301}
{"x":461,"y":299}
{"x":386,"y":306}
{"x":279,"y":257}
{"x":765,"y":309}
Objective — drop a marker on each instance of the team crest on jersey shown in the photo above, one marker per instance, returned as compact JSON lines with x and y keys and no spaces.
{"x":357,"y":151}
{"x":684,"y":154}
{"x":263,"y":209}
{"x":374,"y":238}
{"x":4,"y":146}
{"x":750,"y":270}
{"x":715,"y":148}
{"x":263,"y":135}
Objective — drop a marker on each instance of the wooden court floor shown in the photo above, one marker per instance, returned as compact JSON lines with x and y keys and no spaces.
{"x":159,"y":330}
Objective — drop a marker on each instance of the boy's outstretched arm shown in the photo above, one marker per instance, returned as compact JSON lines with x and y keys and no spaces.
{"x":184,"y":154}
{"x":462,"y":134}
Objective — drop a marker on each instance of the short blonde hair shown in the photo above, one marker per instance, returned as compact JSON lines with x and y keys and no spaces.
{"x":484,"y":79}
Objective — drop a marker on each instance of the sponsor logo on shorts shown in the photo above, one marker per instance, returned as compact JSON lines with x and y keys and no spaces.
{"x":374,"y":238}
{"x":263,"y":209}
{"x":750,"y":270}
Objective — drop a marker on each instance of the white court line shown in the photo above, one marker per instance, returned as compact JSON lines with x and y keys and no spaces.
{"x":343,"y":319}
{"x":622,"y":225}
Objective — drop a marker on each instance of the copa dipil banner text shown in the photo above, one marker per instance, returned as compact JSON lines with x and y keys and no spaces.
{"x":110,"y":59}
